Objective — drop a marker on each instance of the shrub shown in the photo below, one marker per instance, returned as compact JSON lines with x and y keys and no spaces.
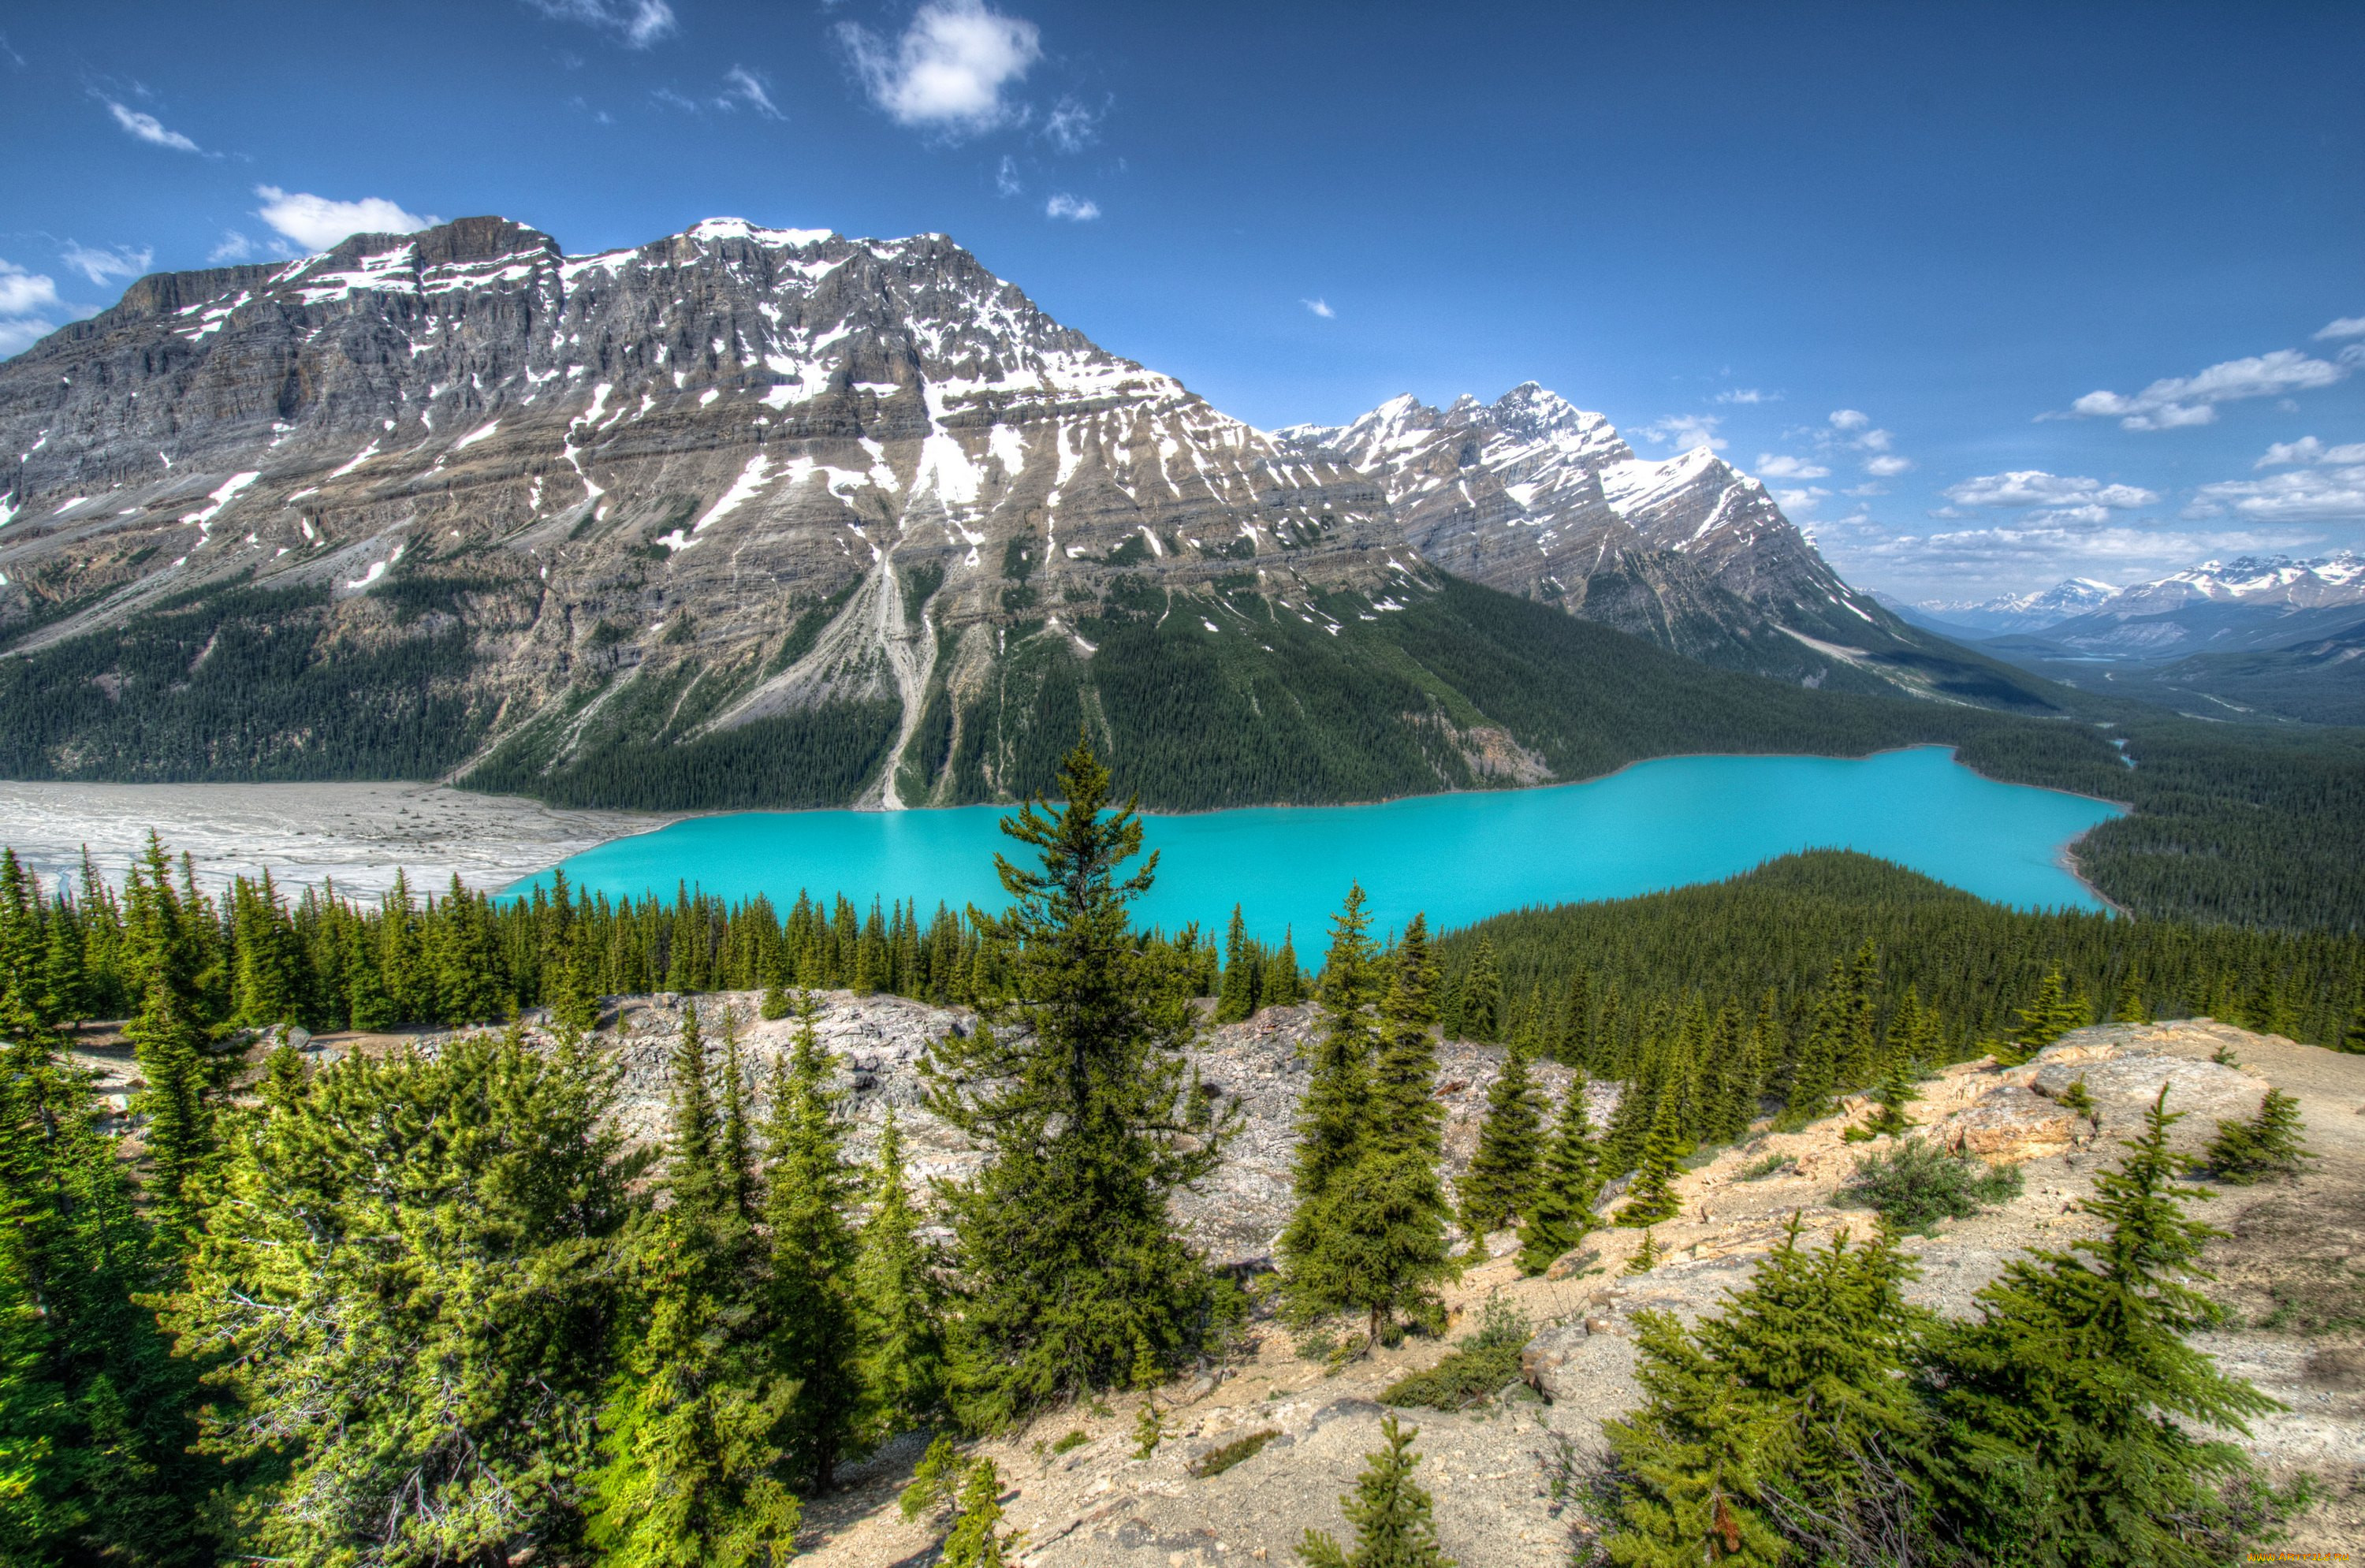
{"x":1771,"y":1165}
{"x":1073,"y":1442}
{"x":1915,"y":1185}
{"x":1480,"y":1364}
{"x":2269,"y":1144}
{"x":1214,"y":1461}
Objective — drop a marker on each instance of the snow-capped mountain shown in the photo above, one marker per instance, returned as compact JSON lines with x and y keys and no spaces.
{"x":2326,"y":580}
{"x":1536,"y":497}
{"x":2020,"y":611}
{"x":547,"y":510}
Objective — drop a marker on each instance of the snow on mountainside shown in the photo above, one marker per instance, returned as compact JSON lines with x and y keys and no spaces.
{"x":1536,"y":497}
{"x":2335,"y":579}
{"x":2021,"y":611}
{"x":565,"y":507}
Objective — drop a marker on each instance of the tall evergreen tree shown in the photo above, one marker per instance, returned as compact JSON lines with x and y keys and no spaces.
{"x":1563,"y":1212}
{"x":1334,"y":1114}
{"x":2070,"y":1402}
{"x":1243,"y":973}
{"x":694,"y":1441}
{"x":810,"y":1190}
{"x":1501,"y":1181}
{"x":899,"y":1308}
{"x":180,"y":1076}
{"x":1480,"y":1017}
{"x":1652,"y":1197}
{"x":1077,"y":1089}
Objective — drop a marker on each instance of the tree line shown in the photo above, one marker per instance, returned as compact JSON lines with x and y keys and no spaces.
{"x":432,"y":1307}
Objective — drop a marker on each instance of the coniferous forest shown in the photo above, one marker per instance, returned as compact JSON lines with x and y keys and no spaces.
{"x":430,"y":1307}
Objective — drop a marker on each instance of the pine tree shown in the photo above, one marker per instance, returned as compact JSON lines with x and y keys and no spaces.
{"x":1892,"y":1094}
{"x":2069,"y":1402}
{"x":1791,"y":1404}
{"x":2129,"y":1008}
{"x":1069,"y":1253}
{"x":694,"y":1441}
{"x":898,"y":1309}
{"x":1501,"y":1181}
{"x":809,"y":1192}
{"x":974,"y":1541}
{"x":1334,"y":1114}
{"x":178,"y":1101}
{"x":455,"y":1419}
{"x":1373,"y":1241}
{"x":1561,"y":1213}
{"x":1243,"y":973}
{"x":1481,"y":1011}
{"x":2352,"y":1034}
{"x":2056,"y":1010}
{"x":1391,"y":1514}
{"x":2269,"y":1144}
{"x":1653,"y":1198}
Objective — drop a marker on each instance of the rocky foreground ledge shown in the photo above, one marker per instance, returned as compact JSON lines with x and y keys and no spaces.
{"x":2291,"y":1274}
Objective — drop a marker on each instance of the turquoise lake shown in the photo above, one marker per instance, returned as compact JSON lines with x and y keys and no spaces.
{"x":1459,"y":857}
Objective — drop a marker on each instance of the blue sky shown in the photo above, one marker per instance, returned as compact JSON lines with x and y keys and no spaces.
{"x":1993,"y":294}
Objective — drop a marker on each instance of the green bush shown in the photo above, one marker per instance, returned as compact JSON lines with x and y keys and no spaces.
{"x":1214,"y":1461}
{"x":1480,"y":1364}
{"x":1915,"y":1184}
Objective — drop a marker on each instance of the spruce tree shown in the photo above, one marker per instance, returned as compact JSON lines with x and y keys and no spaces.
{"x":975,"y":1540}
{"x":2268,"y":1144}
{"x":1076,"y":1088}
{"x":1334,"y":1114}
{"x":1481,"y":1014}
{"x":2129,"y":1008}
{"x":453,"y":1418}
{"x":2056,"y":1010}
{"x":809,"y":1192}
{"x":1562,"y":1213}
{"x":2069,"y":1403}
{"x":178,"y":1101}
{"x":1243,"y":973}
{"x":898,"y":1312}
{"x":1788,"y":1413}
{"x":1391,"y":1514}
{"x":1653,"y":1198}
{"x":1892,"y":1094}
{"x":1375,"y":1240}
{"x":1501,"y":1181}
{"x":695,"y":1438}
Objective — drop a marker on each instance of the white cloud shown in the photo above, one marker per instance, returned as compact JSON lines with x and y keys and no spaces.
{"x":22,"y":293}
{"x":2346,"y":327}
{"x":1887,"y":467}
{"x":948,"y":72}
{"x":1849,"y":419}
{"x":148,"y":128}
{"x":741,"y":85}
{"x":1075,"y":209}
{"x":2179,"y":400}
{"x":1746,"y":395}
{"x":1803,"y":500}
{"x":1320,"y":308}
{"x":1686,"y":431}
{"x":1072,"y":128}
{"x":234,"y":247}
{"x":1005,"y":176}
{"x":2034,"y":488}
{"x":1781,"y":466}
{"x":318,"y":223}
{"x":639,"y":23}
{"x":16,"y":336}
{"x":2307,"y":448}
{"x":2330,"y":494}
{"x":1865,"y":490}
{"x":1875,"y":441}
{"x":103,"y":267}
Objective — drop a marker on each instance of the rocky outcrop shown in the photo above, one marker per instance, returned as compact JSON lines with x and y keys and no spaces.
{"x":2123,"y":1068}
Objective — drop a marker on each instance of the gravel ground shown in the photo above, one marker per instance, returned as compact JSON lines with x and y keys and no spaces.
{"x":357,"y":834}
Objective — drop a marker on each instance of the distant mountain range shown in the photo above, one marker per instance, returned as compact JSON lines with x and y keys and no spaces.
{"x":2258,"y":635}
{"x":752,"y":515}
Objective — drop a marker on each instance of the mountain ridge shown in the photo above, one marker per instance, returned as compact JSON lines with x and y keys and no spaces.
{"x":855,"y":508}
